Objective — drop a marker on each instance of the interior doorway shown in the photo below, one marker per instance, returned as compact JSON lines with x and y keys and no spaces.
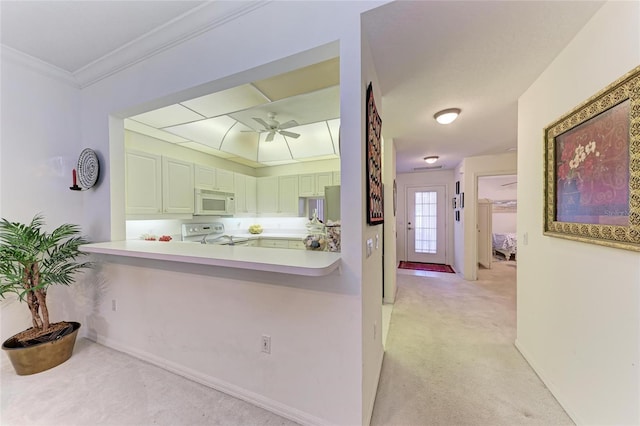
{"x":496,"y":219}
{"x":426,"y":224}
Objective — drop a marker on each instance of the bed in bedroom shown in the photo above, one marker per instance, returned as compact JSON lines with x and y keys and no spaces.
{"x":505,"y":244}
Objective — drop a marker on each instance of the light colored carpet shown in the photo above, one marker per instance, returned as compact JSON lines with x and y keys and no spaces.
{"x":450,"y":358}
{"x":100,"y":386}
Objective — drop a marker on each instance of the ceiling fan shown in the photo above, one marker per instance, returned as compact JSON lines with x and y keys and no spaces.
{"x":273,"y":126}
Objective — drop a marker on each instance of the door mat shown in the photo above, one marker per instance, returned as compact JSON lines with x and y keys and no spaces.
{"x":433,"y":267}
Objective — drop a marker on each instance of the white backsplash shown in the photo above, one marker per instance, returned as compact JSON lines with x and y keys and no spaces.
{"x":173,"y":228}
{"x":269,"y":224}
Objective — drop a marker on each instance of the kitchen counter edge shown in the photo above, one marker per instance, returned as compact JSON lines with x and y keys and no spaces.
{"x":285,"y":261}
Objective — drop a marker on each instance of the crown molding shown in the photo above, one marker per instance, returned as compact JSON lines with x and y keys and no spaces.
{"x":179,"y":30}
{"x":41,"y":67}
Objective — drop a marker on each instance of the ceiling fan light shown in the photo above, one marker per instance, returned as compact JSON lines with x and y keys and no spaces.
{"x":447,"y":116}
{"x":431,"y":159}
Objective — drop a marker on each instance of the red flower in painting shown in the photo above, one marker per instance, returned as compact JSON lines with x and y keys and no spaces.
{"x":563,"y":170}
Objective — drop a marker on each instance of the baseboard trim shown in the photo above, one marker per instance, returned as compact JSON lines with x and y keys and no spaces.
{"x":555,"y":392}
{"x":261,"y":401}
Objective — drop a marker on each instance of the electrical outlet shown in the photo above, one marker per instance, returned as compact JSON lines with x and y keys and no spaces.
{"x":266,"y":344}
{"x":114,"y":305}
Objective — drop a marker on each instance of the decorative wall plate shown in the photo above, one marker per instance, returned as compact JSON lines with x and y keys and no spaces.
{"x":88,"y":168}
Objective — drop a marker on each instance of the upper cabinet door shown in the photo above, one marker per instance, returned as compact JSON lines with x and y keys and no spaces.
{"x":214,"y":179}
{"x":288,"y":195}
{"x":224,"y":181}
{"x":307,"y":185}
{"x":267,"y":188}
{"x":143,"y":183}
{"x":312,"y":184}
{"x":251,"y":194}
{"x":336,"y":178}
{"x":205,"y":177}
{"x":177,"y":186}
{"x":322,"y":180}
{"x":240,"y":190}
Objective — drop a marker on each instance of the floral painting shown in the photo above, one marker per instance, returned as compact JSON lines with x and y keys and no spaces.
{"x":593,"y":170}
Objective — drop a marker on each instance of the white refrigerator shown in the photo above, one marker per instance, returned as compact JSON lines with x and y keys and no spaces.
{"x":332,"y":203}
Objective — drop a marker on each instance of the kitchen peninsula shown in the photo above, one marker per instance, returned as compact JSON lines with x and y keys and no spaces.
{"x":296,"y":262}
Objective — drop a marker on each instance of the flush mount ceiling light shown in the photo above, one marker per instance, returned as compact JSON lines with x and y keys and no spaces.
{"x":447,"y":116}
{"x":431,"y":159}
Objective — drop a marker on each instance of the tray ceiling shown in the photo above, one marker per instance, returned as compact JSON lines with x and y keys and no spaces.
{"x":223,"y":123}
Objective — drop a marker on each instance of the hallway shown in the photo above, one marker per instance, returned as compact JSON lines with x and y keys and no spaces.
{"x":450,"y":357}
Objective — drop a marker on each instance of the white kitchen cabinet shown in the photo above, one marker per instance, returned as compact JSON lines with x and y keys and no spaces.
{"x":267,"y":188}
{"x":336,"y":178}
{"x":177,"y":186}
{"x":312,"y":184}
{"x":322,"y":180}
{"x":297,"y":245}
{"x":288,"y":195}
{"x":252,"y":195}
{"x":143,"y":183}
{"x":278,"y":195}
{"x":156,"y":185}
{"x":245,"y":192}
{"x":224,"y":180}
{"x":274,"y":243}
{"x":240,"y":190}
{"x":214,"y":179}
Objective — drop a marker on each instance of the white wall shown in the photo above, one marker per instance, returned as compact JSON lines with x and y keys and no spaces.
{"x":578,"y":303}
{"x":334,"y":383}
{"x":430,"y":178}
{"x":40,"y":144}
{"x":372,"y":279}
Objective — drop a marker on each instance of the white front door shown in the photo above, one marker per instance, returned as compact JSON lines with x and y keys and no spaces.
{"x":426,"y":224}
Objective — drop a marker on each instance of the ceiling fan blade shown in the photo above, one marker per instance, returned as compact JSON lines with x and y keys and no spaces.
{"x":270,"y":136}
{"x":261,"y":121}
{"x":289,"y":134}
{"x":290,"y":123}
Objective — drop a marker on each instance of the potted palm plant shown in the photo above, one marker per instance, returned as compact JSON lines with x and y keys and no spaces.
{"x":31,"y":260}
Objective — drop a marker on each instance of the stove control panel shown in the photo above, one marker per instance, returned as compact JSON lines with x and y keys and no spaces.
{"x":195,"y":229}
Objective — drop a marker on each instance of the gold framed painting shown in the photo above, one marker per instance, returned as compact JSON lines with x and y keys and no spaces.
{"x":592,"y":169}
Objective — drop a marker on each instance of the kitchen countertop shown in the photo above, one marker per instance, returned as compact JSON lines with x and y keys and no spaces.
{"x":271,"y":235}
{"x":296,"y":262}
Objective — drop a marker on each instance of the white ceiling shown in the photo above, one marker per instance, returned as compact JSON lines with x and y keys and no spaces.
{"x":479,"y":56}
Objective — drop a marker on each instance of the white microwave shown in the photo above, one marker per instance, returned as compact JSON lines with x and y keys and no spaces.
{"x":214,"y":203}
